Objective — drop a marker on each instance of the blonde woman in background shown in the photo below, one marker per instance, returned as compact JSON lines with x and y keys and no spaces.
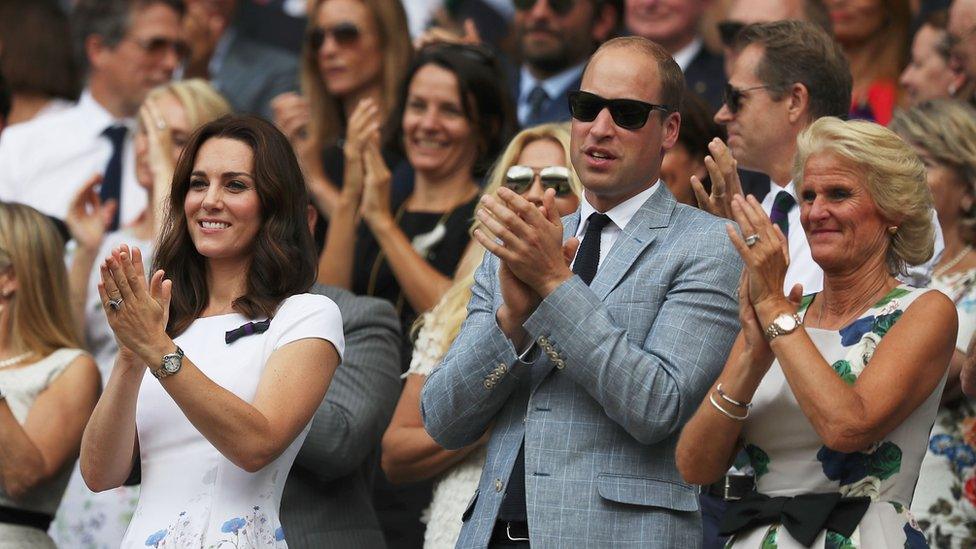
{"x":536,"y":159}
{"x":168,"y":116}
{"x":48,"y":385}
{"x":943,"y":133}
{"x":354,"y":50}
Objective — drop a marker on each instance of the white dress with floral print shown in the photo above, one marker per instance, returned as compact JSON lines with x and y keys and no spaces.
{"x":192,"y":496}
{"x":789,"y":457}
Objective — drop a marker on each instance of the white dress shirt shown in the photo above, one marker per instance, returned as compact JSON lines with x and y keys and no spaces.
{"x":619,"y":215}
{"x":44,"y":162}
{"x":684,"y":56}
{"x":555,"y":86}
{"x":804,"y":270}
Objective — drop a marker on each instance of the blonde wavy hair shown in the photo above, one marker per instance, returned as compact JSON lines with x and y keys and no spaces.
{"x":327,"y":118}
{"x":40,"y":313}
{"x":201,"y":101}
{"x":893,"y":174}
{"x":946,"y":130}
{"x":451,"y":310}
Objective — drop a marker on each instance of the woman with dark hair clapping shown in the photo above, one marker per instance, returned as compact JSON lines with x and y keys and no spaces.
{"x":242,"y":355}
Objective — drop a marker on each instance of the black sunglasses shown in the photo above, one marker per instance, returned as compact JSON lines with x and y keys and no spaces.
{"x":732,"y":96}
{"x":519,"y":179}
{"x":629,"y":114}
{"x":345,"y":34}
{"x":559,"y":7}
{"x":728,"y":30}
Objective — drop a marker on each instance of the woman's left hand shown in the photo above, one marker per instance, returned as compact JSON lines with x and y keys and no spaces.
{"x":160,"y":138}
{"x":765,"y":252}
{"x":375,"y":206}
{"x":139,"y":320}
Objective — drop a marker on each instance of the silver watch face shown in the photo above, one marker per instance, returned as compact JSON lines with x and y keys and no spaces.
{"x":171,"y":364}
{"x":785,"y":323}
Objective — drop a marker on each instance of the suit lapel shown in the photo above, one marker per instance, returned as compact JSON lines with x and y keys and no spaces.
{"x":643,"y":228}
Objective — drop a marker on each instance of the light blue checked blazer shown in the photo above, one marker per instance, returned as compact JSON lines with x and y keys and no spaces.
{"x":625,"y":363}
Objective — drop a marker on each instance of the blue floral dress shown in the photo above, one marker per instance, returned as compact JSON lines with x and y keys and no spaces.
{"x":192,"y":496}
{"x":790,"y":459}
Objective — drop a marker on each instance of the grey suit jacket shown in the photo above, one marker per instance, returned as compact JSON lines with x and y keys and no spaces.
{"x":252,"y":74}
{"x":626,"y":362}
{"x":327,"y":500}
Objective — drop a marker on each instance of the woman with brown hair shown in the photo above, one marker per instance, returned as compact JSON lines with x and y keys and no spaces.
{"x":48,"y":386}
{"x":217,"y":433}
{"x":354,"y":50}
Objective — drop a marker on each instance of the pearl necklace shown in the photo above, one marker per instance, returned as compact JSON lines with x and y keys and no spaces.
{"x":15,"y":359}
{"x":953,"y":262}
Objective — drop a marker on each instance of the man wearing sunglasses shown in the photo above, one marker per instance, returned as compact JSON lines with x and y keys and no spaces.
{"x":247,"y":72}
{"x":129,"y":47}
{"x":585,"y":362}
{"x":555,"y":38}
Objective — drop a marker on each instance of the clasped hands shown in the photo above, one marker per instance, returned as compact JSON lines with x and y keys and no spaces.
{"x":139,"y":320}
{"x":366,"y":187}
{"x":529,"y":242}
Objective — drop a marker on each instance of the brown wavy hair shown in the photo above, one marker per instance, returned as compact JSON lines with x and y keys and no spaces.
{"x":283,"y":255}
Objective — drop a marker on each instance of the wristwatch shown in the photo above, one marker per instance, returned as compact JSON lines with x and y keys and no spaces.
{"x":781,"y":325}
{"x":171,"y":364}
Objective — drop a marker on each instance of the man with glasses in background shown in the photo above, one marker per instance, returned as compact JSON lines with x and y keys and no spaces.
{"x":555,"y":38}
{"x":128,"y":47}
{"x":585,"y":362}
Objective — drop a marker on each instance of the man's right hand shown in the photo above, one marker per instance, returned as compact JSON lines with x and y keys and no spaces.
{"x":725,"y":181}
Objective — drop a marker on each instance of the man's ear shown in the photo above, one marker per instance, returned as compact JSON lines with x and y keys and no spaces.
{"x":671,"y":127}
{"x":799,"y":103}
{"x":604,"y":23}
{"x":96,"y":50}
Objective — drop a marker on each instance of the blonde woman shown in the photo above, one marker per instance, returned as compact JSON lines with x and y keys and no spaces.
{"x":943,"y":133}
{"x":537,"y":159}
{"x":832,"y":396}
{"x":354,"y":50}
{"x":168,"y":116}
{"x":48,"y":386}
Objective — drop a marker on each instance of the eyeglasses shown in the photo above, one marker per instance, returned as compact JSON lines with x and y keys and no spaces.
{"x":520,"y":179}
{"x":728,"y":30}
{"x":559,"y":7}
{"x":158,"y":46}
{"x":629,"y":114}
{"x":344,"y":34}
{"x":732,"y":96}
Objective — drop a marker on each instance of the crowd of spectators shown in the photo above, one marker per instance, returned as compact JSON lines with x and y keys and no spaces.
{"x":426,"y":273}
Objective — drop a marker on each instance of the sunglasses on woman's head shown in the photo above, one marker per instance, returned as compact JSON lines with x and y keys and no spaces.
{"x":344,"y":34}
{"x":629,"y":114}
{"x":732,"y":96}
{"x":520,"y":178}
{"x":559,"y":7}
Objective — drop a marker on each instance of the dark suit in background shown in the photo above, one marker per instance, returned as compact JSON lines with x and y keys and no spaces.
{"x":251,"y":74}
{"x":327,"y":500}
{"x":705,"y":75}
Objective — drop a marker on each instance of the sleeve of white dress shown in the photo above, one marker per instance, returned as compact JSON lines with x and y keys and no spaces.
{"x":308,"y":316}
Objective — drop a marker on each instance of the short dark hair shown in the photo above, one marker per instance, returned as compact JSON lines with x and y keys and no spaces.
{"x":801,"y":52}
{"x":37,"y":57}
{"x":283,"y":254}
{"x":484,"y":97}
{"x":672,"y":79}
{"x":109,"y":19}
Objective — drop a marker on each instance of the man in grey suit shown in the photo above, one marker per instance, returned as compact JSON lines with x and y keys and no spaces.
{"x":327,"y":500}
{"x":583,"y":432}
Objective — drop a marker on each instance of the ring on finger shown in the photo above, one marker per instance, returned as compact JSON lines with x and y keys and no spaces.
{"x":115,"y":304}
{"x":752,"y":239}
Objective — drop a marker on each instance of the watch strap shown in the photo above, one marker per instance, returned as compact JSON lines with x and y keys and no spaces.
{"x":774,"y":330}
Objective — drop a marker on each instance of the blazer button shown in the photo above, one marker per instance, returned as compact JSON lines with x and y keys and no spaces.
{"x":488,"y":384}
{"x":560,"y":364}
{"x":498,"y":485}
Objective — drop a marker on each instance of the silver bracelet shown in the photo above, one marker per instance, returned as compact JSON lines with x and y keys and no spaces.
{"x":731,"y":400}
{"x":725,"y":412}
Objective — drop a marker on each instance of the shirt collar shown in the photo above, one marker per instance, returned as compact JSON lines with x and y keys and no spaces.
{"x":97,"y":117}
{"x":621,"y":214}
{"x":554,"y":85}
{"x":684,"y":56}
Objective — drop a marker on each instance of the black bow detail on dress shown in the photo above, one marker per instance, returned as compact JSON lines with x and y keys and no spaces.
{"x":804,"y":516}
{"x":250,"y":328}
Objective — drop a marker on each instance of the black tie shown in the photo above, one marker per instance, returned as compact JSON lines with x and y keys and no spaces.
{"x":588,"y":256}
{"x":537,"y":101}
{"x":780,"y":213}
{"x":111,"y":188}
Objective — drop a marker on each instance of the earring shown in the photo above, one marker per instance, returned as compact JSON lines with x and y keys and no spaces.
{"x":892,"y":230}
